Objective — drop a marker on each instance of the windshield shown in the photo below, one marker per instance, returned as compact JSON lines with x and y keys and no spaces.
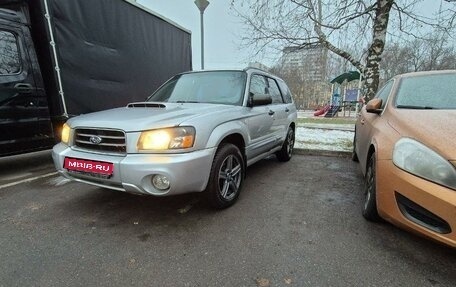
{"x":427,"y":92}
{"x":216,"y":87}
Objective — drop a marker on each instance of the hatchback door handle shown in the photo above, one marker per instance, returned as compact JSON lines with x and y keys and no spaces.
{"x":271,"y":112}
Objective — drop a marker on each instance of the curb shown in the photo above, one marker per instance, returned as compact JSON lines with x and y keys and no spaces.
{"x":330,"y":129}
{"x":318,"y":152}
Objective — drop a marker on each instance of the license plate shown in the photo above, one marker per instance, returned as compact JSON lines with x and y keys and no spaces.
{"x":89,"y":166}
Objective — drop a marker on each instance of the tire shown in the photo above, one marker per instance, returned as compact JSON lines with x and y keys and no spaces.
{"x":370,"y":195}
{"x":354,"y":156}
{"x":226,"y":177}
{"x":287,"y":148}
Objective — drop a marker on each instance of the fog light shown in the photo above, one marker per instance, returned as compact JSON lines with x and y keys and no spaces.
{"x":160,"y":182}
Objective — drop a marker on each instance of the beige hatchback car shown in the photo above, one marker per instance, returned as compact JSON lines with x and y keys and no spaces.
{"x":405,"y":142}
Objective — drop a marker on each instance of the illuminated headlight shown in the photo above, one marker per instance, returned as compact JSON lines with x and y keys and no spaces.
{"x":65,"y":136}
{"x":420,"y":160}
{"x":165,"y":139}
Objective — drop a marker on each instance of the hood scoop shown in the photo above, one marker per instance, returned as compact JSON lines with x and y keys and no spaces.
{"x":146,"y":105}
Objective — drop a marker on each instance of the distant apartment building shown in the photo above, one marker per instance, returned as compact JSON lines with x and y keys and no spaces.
{"x":308,"y":71}
{"x":318,"y":62}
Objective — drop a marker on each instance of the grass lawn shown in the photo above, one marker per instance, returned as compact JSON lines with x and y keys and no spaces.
{"x":333,"y":121}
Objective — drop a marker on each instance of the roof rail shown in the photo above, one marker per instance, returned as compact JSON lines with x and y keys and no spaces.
{"x":255,"y":68}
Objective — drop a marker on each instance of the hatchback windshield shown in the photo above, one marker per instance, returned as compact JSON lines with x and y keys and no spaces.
{"x":427,"y":92}
{"x":217,"y":87}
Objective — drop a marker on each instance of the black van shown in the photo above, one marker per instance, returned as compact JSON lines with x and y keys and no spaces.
{"x":60,"y":58}
{"x":25,"y":123}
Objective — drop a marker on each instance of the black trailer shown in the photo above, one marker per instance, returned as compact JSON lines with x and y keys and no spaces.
{"x":60,"y":58}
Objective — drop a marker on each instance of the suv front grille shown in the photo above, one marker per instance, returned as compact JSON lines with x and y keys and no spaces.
{"x":101,"y":140}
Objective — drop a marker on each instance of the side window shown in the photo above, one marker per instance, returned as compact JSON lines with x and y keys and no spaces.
{"x":285,"y":92}
{"x":384,"y":93}
{"x":274,"y":92}
{"x":258,"y":85}
{"x":9,"y":54}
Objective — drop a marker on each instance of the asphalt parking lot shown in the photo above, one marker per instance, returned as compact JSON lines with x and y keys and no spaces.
{"x":295,"y":224}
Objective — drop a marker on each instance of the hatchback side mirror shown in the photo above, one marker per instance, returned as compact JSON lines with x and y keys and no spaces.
{"x":259,"y":100}
{"x":374,"y":106}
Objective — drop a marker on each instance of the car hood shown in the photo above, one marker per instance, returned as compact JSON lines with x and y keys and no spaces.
{"x":131,"y":119}
{"x":434,"y":128}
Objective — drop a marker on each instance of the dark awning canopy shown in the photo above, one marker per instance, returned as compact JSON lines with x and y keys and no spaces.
{"x":349,"y":76}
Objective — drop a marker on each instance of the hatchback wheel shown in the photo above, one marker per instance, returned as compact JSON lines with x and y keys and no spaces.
{"x":287,"y":148}
{"x":370,"y":196}
{"x":354,"y":154}
{"x":226,"y":177}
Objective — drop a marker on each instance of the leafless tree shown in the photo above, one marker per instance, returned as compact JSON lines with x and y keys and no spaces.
{"x":307,"y":93}
{"x":363,"y":23}
{"x":434,"y":52}
{"x":395,"y":60}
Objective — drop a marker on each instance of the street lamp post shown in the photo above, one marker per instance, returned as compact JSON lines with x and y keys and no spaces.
{"x":202,"y":5}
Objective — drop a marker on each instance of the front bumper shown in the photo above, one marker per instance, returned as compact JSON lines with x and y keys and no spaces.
{"x":187,"y":172}
{"x":431,"y":203}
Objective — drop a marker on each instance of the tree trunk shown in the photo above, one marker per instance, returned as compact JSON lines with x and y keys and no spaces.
{"x":374,"y":53}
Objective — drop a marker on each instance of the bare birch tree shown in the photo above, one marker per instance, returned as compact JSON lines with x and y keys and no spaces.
{"x":364,"y":23}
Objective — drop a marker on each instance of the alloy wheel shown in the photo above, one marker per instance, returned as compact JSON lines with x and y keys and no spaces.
{"x":230,"y":176}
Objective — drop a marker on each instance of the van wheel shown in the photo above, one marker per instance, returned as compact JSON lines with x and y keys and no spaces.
{"x":370,"y":195}
{"x":226,"y":177}
{"x":287,"y":148}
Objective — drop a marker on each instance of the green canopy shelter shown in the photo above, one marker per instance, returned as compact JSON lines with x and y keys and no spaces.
{"x":348,"y":76}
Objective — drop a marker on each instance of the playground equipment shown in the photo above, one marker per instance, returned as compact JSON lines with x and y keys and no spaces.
{"x":342,"y":97}
{"x":322,"y":111}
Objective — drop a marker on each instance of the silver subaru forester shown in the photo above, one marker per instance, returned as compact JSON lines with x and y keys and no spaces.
{"x":197,"y":133}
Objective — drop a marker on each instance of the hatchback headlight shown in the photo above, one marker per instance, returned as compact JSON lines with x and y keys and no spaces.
{"x":165,"y":139}
{"x":65,"y":135}
{"x":420,"y":160}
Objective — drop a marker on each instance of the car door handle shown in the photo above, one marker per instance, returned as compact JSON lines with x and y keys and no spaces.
{"x":271,"y":112}
{"x":23,"y":87}
{"x":287,"y":110}
{"x":362,"y":121}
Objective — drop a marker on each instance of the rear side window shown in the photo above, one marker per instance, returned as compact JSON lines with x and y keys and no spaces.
{"x":9,"y":54}
{"x":285,"y":92}
{"x":274,"y":92}
{"x":258,"y":85}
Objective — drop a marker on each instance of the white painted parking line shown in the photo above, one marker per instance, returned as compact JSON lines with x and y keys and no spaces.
{"x":58,"y":181}
{"x":27,"y":180}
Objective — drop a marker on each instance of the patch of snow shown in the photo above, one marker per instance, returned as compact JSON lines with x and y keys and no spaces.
{"x":323,"y":139}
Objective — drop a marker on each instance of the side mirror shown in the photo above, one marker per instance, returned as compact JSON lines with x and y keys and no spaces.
{"x":374,"y":106}
{"x":259,"y":100}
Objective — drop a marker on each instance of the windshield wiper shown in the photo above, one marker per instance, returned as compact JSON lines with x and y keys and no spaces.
{"x":414,"y":107}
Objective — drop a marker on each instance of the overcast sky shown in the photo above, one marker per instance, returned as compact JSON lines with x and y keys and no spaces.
{"x":223,"y":30}
{"x":221,"y":33}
